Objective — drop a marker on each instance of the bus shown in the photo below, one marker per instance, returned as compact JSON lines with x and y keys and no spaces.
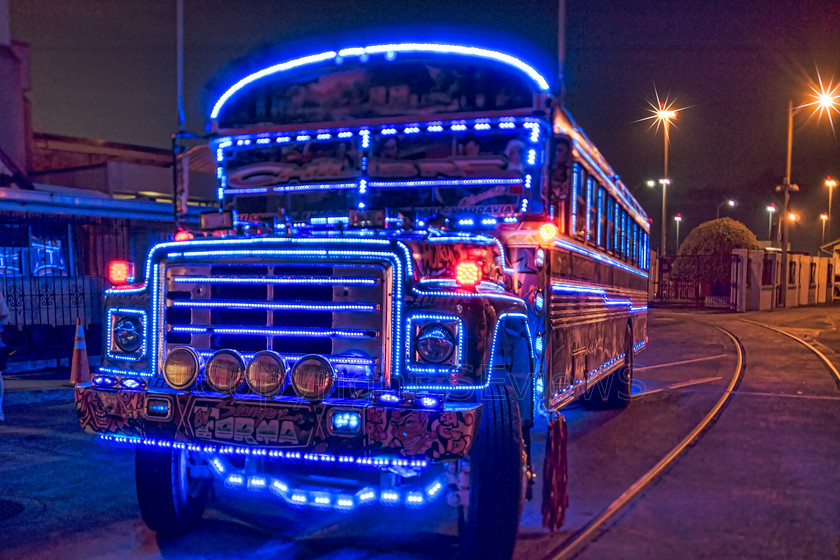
{"x":417,"y":256}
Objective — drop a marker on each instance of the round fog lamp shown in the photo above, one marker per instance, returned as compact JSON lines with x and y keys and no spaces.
{"x":435,"y":344}
{"x":313,"y":378}
{"x":266,"y":373}
{"x":181,"y":367}
{"x":225,"y":370}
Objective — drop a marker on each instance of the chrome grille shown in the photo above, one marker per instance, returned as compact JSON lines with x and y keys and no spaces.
{"x":334,"y":310}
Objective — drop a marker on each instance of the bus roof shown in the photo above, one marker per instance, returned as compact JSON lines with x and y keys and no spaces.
{"x":364,"y":82}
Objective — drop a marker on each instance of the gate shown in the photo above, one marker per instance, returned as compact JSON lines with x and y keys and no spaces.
{"x":699,"y":281}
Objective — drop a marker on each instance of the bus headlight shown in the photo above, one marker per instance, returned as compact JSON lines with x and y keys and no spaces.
{"x":435,"y":344}
{"x":266,"y":373}
{"x":128,"y":334}
{"x":181,"y":367}
{"x":313,"y":378}
{"x":225,"y":371}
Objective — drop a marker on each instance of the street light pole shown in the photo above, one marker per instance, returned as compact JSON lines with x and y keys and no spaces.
{"x":678,"y":219}
{"x":664,"y":182}
{"x":770,"y":210}
{"x":786,"y":188}
{"x":830,"y":183}
{"x":824,"y":218}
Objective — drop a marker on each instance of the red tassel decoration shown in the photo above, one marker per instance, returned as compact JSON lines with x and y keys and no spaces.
{"x":555,"y":498}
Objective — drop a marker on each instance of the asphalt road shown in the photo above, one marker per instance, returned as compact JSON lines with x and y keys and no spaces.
{"x":760,"y":482}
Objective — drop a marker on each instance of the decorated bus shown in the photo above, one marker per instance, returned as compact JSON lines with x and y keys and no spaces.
{"x":418,"y":256}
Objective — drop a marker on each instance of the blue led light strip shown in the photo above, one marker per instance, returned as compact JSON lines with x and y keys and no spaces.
{"x":388,"y":50}
{"x":433,"y":369}
{"x":398,"y":270}
{"x":489,"y":371}
{"x":271,"y":306}
{"x":576,"y":177}
{"x":250,"y":190}
{"x":314,"y":187}
{"x":448,"y":182}
{"x":597,"y":256}
{"x":617,"y":191}
{"x":469,"y":295}
{"x":293,"y":456}
{"x":135,"y":356}
{"x":575,"y":289}
{"x":312,"y":280}
{"x":600,"y":215}
{"x":316,"y":333}
{"x":340,"y":360}
{"x":589,"y":182}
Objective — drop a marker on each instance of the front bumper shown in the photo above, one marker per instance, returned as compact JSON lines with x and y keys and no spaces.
{"x":281,"y":425}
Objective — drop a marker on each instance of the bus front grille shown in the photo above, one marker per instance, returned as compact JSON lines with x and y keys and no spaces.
{"x":333,"y":310}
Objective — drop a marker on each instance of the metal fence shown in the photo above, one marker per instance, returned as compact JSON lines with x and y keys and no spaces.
{"x":700,"y":281}
{"x":53,"y":270}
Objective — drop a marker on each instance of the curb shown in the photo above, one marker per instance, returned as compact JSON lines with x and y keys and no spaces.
{"x":40,"y":395}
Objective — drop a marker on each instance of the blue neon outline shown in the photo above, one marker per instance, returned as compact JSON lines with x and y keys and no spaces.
{"x":600,"y":213}
{"x":489,"y":370}
{"x":399,"y":275}
{"x":267,"y":331}
{"x":638,"y":214}
{"x":597,"y":256}
{"x":589,"y":182}
{"x":276,"y":306}
{"x":135,"y":356}
{"x":577,"y":171}
{"x":429,"y":318}
{"x":436,"y":48}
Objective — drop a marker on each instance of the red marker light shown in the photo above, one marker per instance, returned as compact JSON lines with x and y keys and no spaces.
{"x":468,"y":274}
{"x":119,"y":272}
{"x":548,"y":232}
{"x":183,"y":235}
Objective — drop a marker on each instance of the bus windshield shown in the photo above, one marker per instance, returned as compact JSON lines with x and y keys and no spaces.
{"x":439,"y":167}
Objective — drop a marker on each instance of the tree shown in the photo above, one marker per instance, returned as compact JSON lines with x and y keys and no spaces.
{"x":705,"y":254}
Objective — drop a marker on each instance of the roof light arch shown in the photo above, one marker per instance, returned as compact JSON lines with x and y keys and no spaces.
{"x":389,"y":50}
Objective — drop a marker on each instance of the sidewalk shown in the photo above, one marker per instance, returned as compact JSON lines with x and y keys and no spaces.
{"x":24,"y":387}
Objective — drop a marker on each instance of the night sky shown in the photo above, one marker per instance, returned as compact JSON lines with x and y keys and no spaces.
{"x":106,"y":69}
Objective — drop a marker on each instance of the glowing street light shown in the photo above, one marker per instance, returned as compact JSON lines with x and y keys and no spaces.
{"x":824,"y":218}
{"x":662,"y":113}
{"x":830,"y":183}
{"x":826,"y":101}
{"x":729,"y":202}
{"x":678,"y":219}
{"x":771,"y":209}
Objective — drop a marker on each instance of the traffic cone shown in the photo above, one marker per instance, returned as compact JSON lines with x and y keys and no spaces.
{"x":79,"y":368}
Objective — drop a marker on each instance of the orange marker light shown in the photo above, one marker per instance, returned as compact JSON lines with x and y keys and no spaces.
{"x":468,"y":274}
{"x":183,"y":235}
{"x":119,"y":272}
{"x":548,"y":232}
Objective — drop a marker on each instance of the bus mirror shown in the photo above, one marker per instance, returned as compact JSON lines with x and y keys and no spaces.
{"x":217,"y":220}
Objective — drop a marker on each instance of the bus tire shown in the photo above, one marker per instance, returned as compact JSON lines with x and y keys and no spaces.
{"x":490,"y":523}
{"x":171,"y":501}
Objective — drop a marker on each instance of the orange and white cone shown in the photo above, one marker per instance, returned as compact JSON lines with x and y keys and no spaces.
{"x":79,"y":368}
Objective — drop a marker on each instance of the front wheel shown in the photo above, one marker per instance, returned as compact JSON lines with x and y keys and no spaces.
{"x":497,"y":478}
{"x":171,"y":500}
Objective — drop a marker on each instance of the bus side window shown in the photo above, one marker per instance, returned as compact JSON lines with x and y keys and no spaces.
{"x":577,"y":204}
{"x":579,"y":210}
{"x":625,"y":237}
{"x":601,"y":233}
{"x":616,"y":244}
{"x":592,"y":210}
